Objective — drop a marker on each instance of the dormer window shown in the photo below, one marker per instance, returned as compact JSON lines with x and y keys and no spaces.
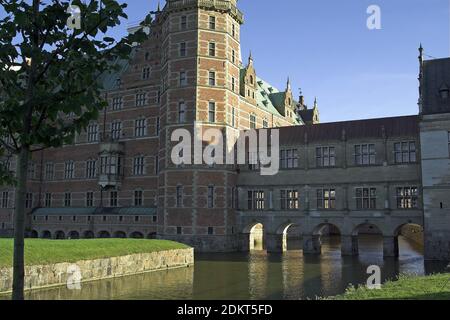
{"x":444,"y":92}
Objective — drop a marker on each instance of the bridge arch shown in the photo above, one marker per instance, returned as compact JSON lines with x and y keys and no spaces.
{"x":152,"y":235}
{"x":60,"y":235}
{"x":75,"y":235}
{"x":120,"y":235}
{"x":104,"y":234}
{"x":286,"y":237}
{"x":136,"y":235}
{"x":88,"y":235}
{"x":252,"y":237}
{"x":34,"y":234}
{"x":413,"y":237}
{"x":368,"y":237}
{"x":46,"y":234}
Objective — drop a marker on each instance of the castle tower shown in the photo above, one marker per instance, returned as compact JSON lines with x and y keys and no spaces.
{"x":434,"y":104}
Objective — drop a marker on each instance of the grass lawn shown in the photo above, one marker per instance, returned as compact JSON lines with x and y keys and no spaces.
{"x":434,"y":287}
{"x":39,"y":251}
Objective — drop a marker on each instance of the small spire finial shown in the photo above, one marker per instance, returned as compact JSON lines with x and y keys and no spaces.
{"x":288,"y":84}
{"x":315,"y":102}
{"x":421,"y":53}
{"x":159,"y":6}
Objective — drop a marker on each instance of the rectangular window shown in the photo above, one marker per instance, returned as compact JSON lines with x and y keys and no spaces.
{"x":48,"y":200}
{"x":289,"y":200}
{"x":91,"y":169}
{"x":407,"y":198}
{"x":140,"y":128}
{"x":31,"y":170}
{"x":252,"y":121}
{"x":233,"y":84}
{"x":140,"y":99}
{"x":212,"y":112}
{"x":179,"y":230}
{"x":212,"y":22}
{"x":111,"y":165}
{"x":113,"y":199}
{"x":179,"y":200}
{"x":366,"y":198}
{"x":210,"y":231}
{"x":325,"y":156}
{"x":212,"y":49}
{"x":265,"y":124}
{"x":289,"y":158}
{"x":117,"y":103}
{"x":212,"y":78}
{"x":69,"y":170}
{"x":183,"y":22}
{"x":183,"y":49}
{"x":67,"y":199}
{"x":233,"y":30}
{"x":92,"y":132}
{"x":256,"y":200}
{"x":139,"y":166}
{"x":49,"y":171}
{"x":365,"y":154}
{"x":183,"y":79}
{"x":5,"y":196}
{"x":210,"y":197}
{"x":233,"y":56}
{"x":146,"y":73}
{"x":181,"y":112}
{"x":138,"y":198}
{"x":116,"y":130}
{"x":405,"y":152}
{"x":89,"y":199}
{"x":326,"y":199}
{"x":29,"y":201}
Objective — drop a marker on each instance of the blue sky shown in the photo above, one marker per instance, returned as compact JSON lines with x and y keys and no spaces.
{"x":327,"y":50}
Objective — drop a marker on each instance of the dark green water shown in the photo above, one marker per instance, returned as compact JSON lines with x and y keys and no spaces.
{"x":257,"y":275}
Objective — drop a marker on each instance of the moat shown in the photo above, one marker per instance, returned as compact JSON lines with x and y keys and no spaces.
{"x":257,"y":275}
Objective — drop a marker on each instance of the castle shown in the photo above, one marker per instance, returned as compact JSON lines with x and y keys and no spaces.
{"x":118,"y":180}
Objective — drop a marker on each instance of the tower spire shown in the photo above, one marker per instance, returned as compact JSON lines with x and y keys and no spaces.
{"x":315,"y":102}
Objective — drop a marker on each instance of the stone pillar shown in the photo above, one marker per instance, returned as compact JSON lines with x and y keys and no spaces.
{"x":311,"y":244}
{"x":390,"y":247}
{"x":275,"y":242}
{"x":349,"y":245}
{"x":244,"y":242}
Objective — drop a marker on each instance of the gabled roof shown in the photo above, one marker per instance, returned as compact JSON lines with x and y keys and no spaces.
{"x":436,"y":74}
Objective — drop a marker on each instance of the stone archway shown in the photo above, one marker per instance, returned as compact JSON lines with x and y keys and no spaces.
{"x":119,"y":235}
{"x":252,"y":237}
{"x":136,"y":235}
{"x":104,"y":234}
{"x":152,"y":235}
{"x":284,"y":238}
{"x":46,"y":234}
{"x":60,"y":235}
{"x":412,"y":238}
{"x":34,"y":234}
{"x":73,"y":235}
{"x":323,"y":233}
{"x":368,"y":238}
{"x":88,"y":235}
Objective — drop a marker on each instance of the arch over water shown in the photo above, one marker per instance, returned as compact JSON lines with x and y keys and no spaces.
{"x":290,"y":236}
{"x":253,"y":237}
{"x":368,"y":238}
{"x":34,"y":234}
{"x":46,"y":234}
{"x":136,"y":235}
{"x":367,"y":228}
{"x":412,"y":238}
{"x":104,"y":234}
{"x":60,"y":235}
{"x":119,"y":235}
{"x":88,"y":235}
{"x":73,"y":235}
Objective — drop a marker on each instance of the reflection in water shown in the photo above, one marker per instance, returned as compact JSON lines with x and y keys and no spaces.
{"x":257,"y":275}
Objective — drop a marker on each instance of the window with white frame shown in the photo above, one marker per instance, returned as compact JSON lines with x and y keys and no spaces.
{"x":233,"y":56}
{"x":89,"y":199}
{"x":212,"y":112}
{"x":48,"y":200}
{"x":92,"y":132}
{"x":256,"y":200}
{"x":117,"y":103}
{"x":29,"y":200}
{"x":111,"y":165}
{"x":146,"y":71}
{"x":212,"y":22}
{"x":289,"y":158}
{"x":5,"y":198}
{"x":233,"y":84}
{"x":179,"y":197}
{"x":113,"y":199}
{"x":181,"y":112}
{"x":183,"y":49}
{"x":326,"y":199}
{"x":138,"y":198}
{"x":252,"y":121}
{"x":366,"y":198}
{"x":91,"y":168}
{"x":49,"y":171}
{"x":407,"y":197}
{"x":365,"y":154}
{"x":289,"y":199}
{"x":212,"y":78}
{"x":140,"y":128}
{"x":67,"y":199}
{"x":233,"y":30}
{"x":325,"y":156}
{"x":69,"y":170}
{"x":405,"y":152}
{"x":212,"y":49}
{"x":183,"y":79}
{"x":116,"y":130}
{"x":183,"y":22}
{"x":139,"y":166}
{"x":140,"y":99}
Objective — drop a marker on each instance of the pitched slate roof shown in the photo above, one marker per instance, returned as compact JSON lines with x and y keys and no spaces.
{"x":405,"y":126}
{"x":436,"y":75}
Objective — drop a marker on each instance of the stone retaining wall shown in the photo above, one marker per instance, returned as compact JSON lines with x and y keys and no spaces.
{"x":89,"y":270}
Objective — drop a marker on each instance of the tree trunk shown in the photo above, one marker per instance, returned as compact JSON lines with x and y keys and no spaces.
{"x":19,"y":225}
